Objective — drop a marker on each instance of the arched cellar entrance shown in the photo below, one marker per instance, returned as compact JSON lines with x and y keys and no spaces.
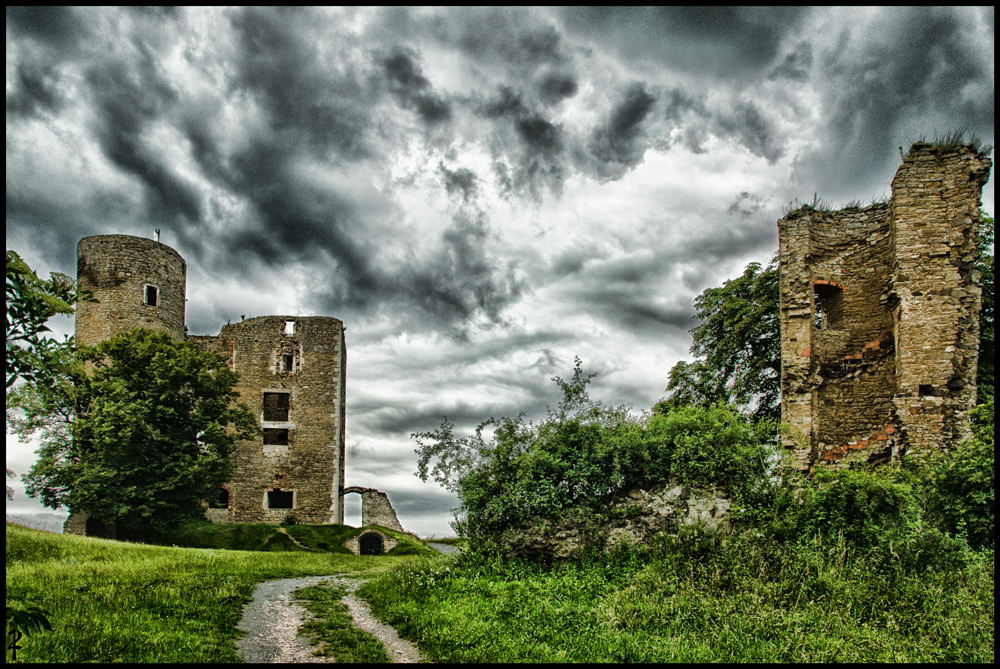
{"x":371,"y":544}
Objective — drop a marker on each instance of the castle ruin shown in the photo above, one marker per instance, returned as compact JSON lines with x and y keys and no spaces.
{"x":292,"y":376}
{"x":879,"y":316}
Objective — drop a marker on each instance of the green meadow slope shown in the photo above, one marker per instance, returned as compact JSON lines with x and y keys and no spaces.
{"x":120,"y":602}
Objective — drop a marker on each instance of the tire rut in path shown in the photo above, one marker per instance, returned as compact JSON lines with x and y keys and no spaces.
{"x":273,"y":618}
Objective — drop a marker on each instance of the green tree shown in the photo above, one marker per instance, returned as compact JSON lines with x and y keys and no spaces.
{"x":150,"y":435}
{"x":33,"y":358}
{"x":31,"y":302}
{"x":738,"y":347}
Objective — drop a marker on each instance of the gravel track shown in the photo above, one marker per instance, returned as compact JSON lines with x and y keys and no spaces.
{"x":272,"y":622}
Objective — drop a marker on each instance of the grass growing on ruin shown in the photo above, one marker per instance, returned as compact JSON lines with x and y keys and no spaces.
{"x":749,"y":600}
{"x":333,"y":627}
{"x":263,"y":537}
{"x":119,"y":602}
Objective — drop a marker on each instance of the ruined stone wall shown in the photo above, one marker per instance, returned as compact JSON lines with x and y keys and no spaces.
{"x":376,"y":509}
{"x":877,"y":303}
{"x":634,"y":519}
{"x":934,"y":294}
{"x":117,"y":268}
{"x":303,"y":367}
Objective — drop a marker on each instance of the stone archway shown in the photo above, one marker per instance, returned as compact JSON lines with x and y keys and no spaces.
{"x":370,"y":543}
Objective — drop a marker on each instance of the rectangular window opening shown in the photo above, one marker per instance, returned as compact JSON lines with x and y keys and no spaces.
{"x":150,"y":295}
{"x":275,"y":437}
{"x":279,"y":499}
{"x":288,"y":363}
{"x":276,"y":407}
{"x":926,"y":390}
{"x":289,"y":327}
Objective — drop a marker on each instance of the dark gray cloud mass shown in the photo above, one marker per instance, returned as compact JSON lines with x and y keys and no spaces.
{"x":480,"y":193}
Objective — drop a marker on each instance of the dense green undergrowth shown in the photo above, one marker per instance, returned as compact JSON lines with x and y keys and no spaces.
{"x":861,"y":564}
{"x":119,"y":602}
{"x":745,"y":599}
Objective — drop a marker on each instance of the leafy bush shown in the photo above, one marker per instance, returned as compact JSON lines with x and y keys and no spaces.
{"x":960,"y":485}
{"x":583,"y":452}
{"x":869,"y":507}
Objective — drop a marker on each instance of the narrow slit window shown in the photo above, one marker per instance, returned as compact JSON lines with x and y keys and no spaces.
{"x":289,"y":327}
{"x":276,"y":407}
{"x":150,"y":296}
{"x":279,"y":499}
{"x":275,"y":437}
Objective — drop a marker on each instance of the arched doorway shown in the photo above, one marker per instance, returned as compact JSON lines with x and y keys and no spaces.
{"x":370,"y":544}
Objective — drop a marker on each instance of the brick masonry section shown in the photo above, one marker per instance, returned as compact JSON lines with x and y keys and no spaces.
{"x":879,"y":316}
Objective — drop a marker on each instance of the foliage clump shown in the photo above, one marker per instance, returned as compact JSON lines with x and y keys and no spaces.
{"x":583,"y":452}
{"x":141,"y":437}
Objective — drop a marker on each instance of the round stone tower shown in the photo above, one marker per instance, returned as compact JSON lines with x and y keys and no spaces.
{"x":138,"y":282}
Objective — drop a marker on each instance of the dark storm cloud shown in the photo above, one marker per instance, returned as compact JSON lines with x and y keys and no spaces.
{"x":35,"y":88}
{"x":744,"y":205}
{"x":128,"y":97}
{"x":317,"y":108}
{"x":726,"y":41}
{"x":527,"y":147}
{"x":911,"y":71}
{"x":619,"y":140}
{"x":413,"y":89}
{"x":754,"y":129}
{"x":58,"y":27}
{"x":795,"y":65}
{"x":461,"y":181}
{"x":463,"y":277}
{"x":554,"y":87}
{"x":520,"y":40}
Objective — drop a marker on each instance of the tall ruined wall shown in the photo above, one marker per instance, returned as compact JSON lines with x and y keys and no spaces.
{"x":934,"y":294}
{"x":118,"y":269}
{"x":293,"y":378}
{"x":879,"y":316}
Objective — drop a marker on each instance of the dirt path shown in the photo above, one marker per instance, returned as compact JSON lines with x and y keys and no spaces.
{"x":272,"y":622}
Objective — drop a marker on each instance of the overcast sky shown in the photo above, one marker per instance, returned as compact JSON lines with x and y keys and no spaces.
{"x":479,"y":194}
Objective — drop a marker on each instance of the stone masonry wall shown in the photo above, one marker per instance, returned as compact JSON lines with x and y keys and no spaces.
{"x":879,"y":316}
{"x":117,"y":268}
{"x":308,"y":459}
{"x":636,"y":519}
{"x":376,"y":509}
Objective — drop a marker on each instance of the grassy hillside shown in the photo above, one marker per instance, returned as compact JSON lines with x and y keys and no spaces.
{"x":263,"y":537}
{"x":749,"y":600}
{"x":119,"y":602}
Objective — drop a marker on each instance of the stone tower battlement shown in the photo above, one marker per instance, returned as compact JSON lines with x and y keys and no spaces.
{"x":138,"y":282}
{"x":879,"y":316}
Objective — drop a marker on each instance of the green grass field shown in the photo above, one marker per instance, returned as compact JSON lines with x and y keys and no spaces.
{"x":120,"y":602}
{"x":751,"y":601}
